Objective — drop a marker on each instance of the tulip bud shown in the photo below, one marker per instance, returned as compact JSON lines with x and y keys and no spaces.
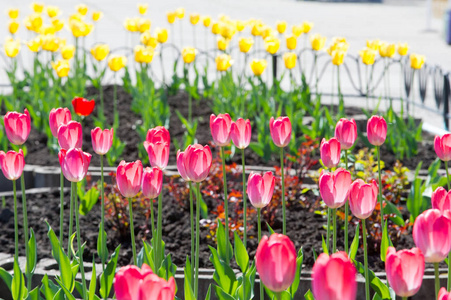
{"x":334,"y":277}
{"x":245,"y":44}
{"x":240,"y":132}
{"x":180,"y":12}
{"x":280,"y":131}
{"x":194,"y":18}
{"x":171,"y":15}
{"x":142,"y":8}
{"x":272,"y":44}
{"x":417,"y":61}
{"x":290,"y":59}
{"x":158,"y":154}
{"x":17,"y":126}
{"x":197,"y":161}
{"x":116,"y":62}
{"x":334,"y":187}
{"x":152,"y":182}
{"x":346,"y":133}
{"x":442,"y":146}
{"x":188,"y":54}
{"x":387,"y":50}
{"x":368,"y":56}
{"x":83,"y":107}
{"x":441,"y":199}
{"x":317,"y":41}
{"x":61,"y":67}
{"x":260,"y":189}
{"x":297,"y":30}
{"x":181,"y":165}
{"x":74,"y":163}
{"x":206,"y":21}
{"x":12,"y":164}
{"x":162,"y":35}
{"x":330,"y":152}
{"x":363,"y":198}
{"x":220,"y":127}
{"x":281,"y":26}
{"x":129,"y":178}
{"x":97,"y":15}
{"x":403,"y":49}
{"x":100,"y":51}
{"x":57,"y":117}
{"x":102,"y":140}
{"x":376,"y":130}
{"x":258,"y":66}
{"x":276,"y":262}
{"x":70,"y":135}
{"x":223,"y":62}
{"x":158,"y":134}
{"x":291,"y":42}
{"x":68,"y":51}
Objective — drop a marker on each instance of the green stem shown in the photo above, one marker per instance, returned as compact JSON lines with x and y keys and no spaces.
{"x":283,"y":193}
{"x":447,"y":176}
{"x":132,"y":230}
{"x":80,"y":249}
{"x":329,"y":212}
{"x":226,"y":205}
{"x":437,"y":279}
{"x":346,"y":209}
{"x":25,"y":229}
{"x":154,"y":234}
{"x":160,"y":232}
{"x":259,"y":226}
{"x":101,"y":115}
{"x":244,"y":200}
{"x":71,"y":221}
{"x":16,"y":224}
{"x":102,"y":221}
{"x":334,"y":245}
{"x":378,"y":148}
{"x":196,"y":282}
{"x":404,"y":298}
{"x":116,"y":114}
{"x":191,"y":220}
{"x":190,"y":109}
{"x":365,"y":254}
{"x":61,"y":207}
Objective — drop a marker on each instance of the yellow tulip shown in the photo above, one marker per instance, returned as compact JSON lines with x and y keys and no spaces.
{"x":272,"y":45}
{"x":148,"y":40}
{"x":143,"y":24}
{"x":13,"y":13}
{"x":162,"y":35}
{"x":222,"y":43}
{"x":100,"y":51}
{"x":47,"y":29}
{"x":194,"y":18}
{"x":206,"y":20}
{"x":387,"y":50}
{"x":61,"y":67}
{"x":35,"y":44}
{"x":306,"y":27}
{"x":52,"y":11}
{"x":188,"y":54}
{"x":289,"y":59}
{"x":297,"y":30}
{"x":80,"y":28}
{"x":258,"y":66}
{"x":267,"y":32}
{"x":403,"y":49}
{"x":67,"y":51}
{"x":131,"y":24}
{"x":171,"y":15}
{"x":368,"y":56}
{"x":256,"y":29}
{"x":338,"y":57}
{"x":117,"y":62}
{"x":245,"y":44}
{"x":142,"y":8}
{"x":13,"y":26}
{"x":33,"y":22}
{"x":180,"y":12}
{"x":12,"y":47}
{"x":57,"y":24}
{"x":228,"y":29}
{"x":373,"y":44}
{"x":317,"y":41}
{"x":97,"y":15}
{"x":223,"y":62}
{"x":215,"y":28}
{"x":50,"y":42}
{"x":338,"y":44}
{"x":239,"y":25}
{"x":82,"y":9}
{"x":417,"y":61}
{"x":291,"y":42}
{"x":281,"y":26}
{"x":37,"y":7}
{"x":144,"y":54}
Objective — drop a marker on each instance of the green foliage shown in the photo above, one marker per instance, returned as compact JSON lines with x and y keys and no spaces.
{"x":87,"y":199}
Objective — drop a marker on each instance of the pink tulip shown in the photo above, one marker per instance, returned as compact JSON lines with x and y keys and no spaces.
{"x":363,"y":198}
{"x":376,"y":129}
{"x":128,"y":282}
{"x":276,"y":262}
{"x":280,"y":131}
{"x":333,"y":277}
{"x":330,"y":152}
{"x":346,"y":133}
{"x":154,"y":287}
{"x":432,"y":234}
{"x":241,"y":133}
{"x":334,"y":187}
{"x":181,"y":165}
{"x":57,"y":117}
{"x":260,"y":188}
{"x":441,"y":199}
{"x":17,"y":126}
{"x":405,"y":270}
{"x":197,"y":160}
{"x":220,"y":127}
{"x":443,"y":294}
{"x":158,"y":154}
{"x":12,"y":164}
{"x":442,"y":146}
{"x":102,"y":140}
{"x":158,"y":134}
{"x":152,"y":182}
{"x":74,"y":163}
{"x":70,"y":135}
{"x":129,"y":178}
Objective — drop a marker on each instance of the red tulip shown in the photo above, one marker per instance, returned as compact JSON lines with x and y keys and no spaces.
{"x":57,"y":117}
{"x":220,"y":127}
{"x":330,"y":152}
{"x":334,"y":187}
{"x":102,"y":140}
{"x":432,"y":234}
{"x":74,"y":163}
{"x":260,"y":188}
{"x":276,"y":262}
{"x":405,"y":270}
{"x":70,"y":135}
{"x":280,"y":131}
{"x":443,"y":294}
{"x":129,"y":178}
{"x":333,"y":277}
{"x":197,"y":160}
{"x":128,"y":281}
{"x":241,"y":133}
{"x":12,"y":164}
{"x":83,"y":107}
{"x":17,"y":126}
{"x":158,"y":134}
{"x":346,"y":133}
{"x":376,"y":129}
{"x":441,"y":199}
{"x":158,"y":154}
{"x":442,"y":146}
{"x":363,"y":198}
{"x":152,"y":182}
{"x":181,"y":165}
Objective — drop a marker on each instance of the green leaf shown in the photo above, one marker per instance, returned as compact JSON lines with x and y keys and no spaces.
{"x":376,"y":284}
{"x":271,"y":231}
{"x":93,"y":283}
{"x":108,"y":275}
{"x":18,"y":289}
{"x":102,"y":254}
{"x":385,"y":243}
{"x":224,"y":275}
{"x":189,"y":294}
{"x":32,"y":256}
{"x":391,"y":209}
{"x":297,"y":278}
{"x":241,"y":256}
{"x":65,"y":290}
{"x":48,"y":288}
{"x":208,"y":296}
{"x":222,"y":239}
{"x":7,"y":278}
{"x":324,"y":245}
{"x":88,"y":200}
{"x":309,"y":295}
{"x":355,"y":244}
{"x":221,"y":294}
{"x":34,"y":294}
